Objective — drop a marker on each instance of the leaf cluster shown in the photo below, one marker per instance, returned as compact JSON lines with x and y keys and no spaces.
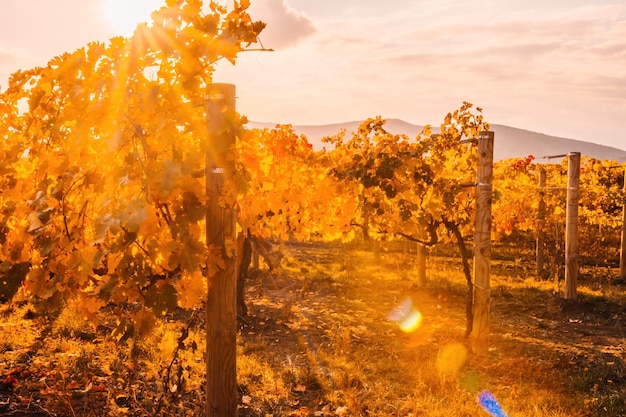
{"x":288,"y":194}
{"x":102,"y":191}
{"x":409,"y":188}
{"x":522,"y":209}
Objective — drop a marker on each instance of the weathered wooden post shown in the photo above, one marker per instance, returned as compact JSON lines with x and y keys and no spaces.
{"x":571,"y":225}
{"x":421,"y":265}
{"x":479,"y":337}
{"x":541,"y":224}
{"x":221,"y":306}
{"x":622,"y":252}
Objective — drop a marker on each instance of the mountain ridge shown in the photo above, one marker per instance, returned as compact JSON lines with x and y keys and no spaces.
{"x":510,"y":142}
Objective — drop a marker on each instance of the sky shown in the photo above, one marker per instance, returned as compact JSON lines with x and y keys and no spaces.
{"x":556,"y":67}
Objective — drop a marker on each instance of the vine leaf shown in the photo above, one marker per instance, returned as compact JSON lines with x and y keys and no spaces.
{"x":191,"y":289}
{"x":143,"y":323}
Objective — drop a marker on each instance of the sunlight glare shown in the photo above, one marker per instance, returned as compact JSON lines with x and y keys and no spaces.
{"x":123,"y":16}
{"x":406,"y":316}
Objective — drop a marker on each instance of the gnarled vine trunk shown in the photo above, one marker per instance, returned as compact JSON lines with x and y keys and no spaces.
{"x":469,"y":314}
{"x":245,"y":245}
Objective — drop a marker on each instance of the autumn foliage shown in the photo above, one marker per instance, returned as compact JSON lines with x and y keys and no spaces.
{"x":102,"y":196}
{"x":103,"y":158}
{"x":104,"y":201}
{"x":517,"y":196}
{"x":402,"y":183}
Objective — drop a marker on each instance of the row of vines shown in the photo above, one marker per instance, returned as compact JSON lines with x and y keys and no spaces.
{"x":102,"y":196}
{"x":517,"y":199}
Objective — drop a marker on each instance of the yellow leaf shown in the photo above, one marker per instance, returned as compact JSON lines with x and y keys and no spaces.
{"x":134,"y":214}
{"x":46,"y":87}
{"x":144,"y":321}
{"x":89,"y":307}
{"x":191,"y":289}
{"x":113,"y":260}
{"x":215,"y":261}
{"x":35,"y":223}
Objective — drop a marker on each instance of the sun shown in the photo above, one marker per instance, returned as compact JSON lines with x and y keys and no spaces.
{"x":123,"y":16}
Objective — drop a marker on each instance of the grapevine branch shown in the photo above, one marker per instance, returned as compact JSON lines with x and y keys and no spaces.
{"x":67,"y":229}
{"x":179,"y":345}
{"x":454,"y":229}
{"x":432,"y":231}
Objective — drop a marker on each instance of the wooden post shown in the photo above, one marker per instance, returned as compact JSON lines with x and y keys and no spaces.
{"x":421,"y":265}
{"x":541,"y":224}
{"x":221,"y":306}
{"x":622,"y":252}
{"x":479,"y":337}
{"x":571,"y":226}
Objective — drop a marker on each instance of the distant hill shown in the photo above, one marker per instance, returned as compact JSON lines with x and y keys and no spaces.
{"x":510,"y":142}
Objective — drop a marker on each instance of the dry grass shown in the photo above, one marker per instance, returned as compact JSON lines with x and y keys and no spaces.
{"x":320,"y":342}
{"x":544,"y":354}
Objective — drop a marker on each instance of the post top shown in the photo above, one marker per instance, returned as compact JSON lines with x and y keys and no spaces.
{"x":486,"y":134}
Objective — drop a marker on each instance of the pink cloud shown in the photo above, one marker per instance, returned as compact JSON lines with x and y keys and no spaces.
{"x":285,"y":26}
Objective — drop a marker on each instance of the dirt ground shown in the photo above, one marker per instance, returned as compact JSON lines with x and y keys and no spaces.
{"x":321,"y":326}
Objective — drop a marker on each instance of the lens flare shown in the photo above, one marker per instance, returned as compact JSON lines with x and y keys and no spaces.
{"x":451,"y":359}
{"x":411,"y":322}
{"x":490,"y":404}
{"x":406,"y":316}
{"x":401,"y":310}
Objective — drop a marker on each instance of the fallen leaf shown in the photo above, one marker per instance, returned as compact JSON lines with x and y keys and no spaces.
{"x":300,"y":412}
{"x":72,"y":385}
{"x":341,"y":411}
{"x":325,"y":411}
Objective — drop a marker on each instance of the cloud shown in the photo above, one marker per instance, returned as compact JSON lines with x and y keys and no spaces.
{"x":285,"y":26}
{"x":576,"y":49}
